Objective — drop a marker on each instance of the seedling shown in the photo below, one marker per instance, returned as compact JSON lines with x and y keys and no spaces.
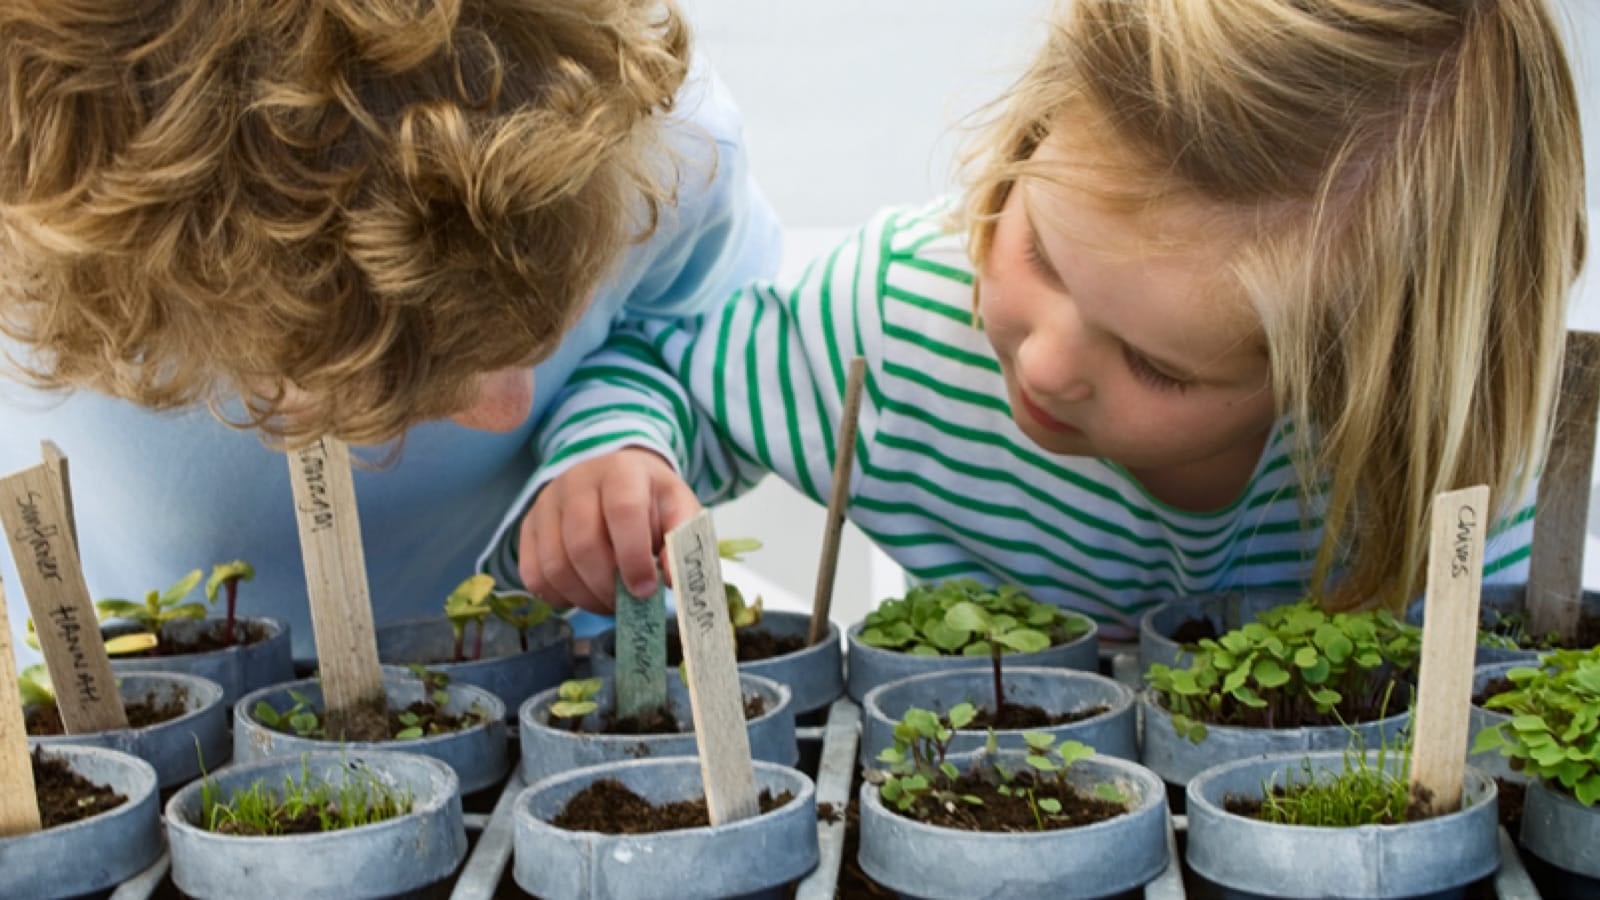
{"x":919,"y":623}
{"x":1554,"y":730}
{"x":302,"y":718}
{"x":520,"y":611}
{"x":34,"y":685}
{"x":227,"y":576}
{"x":577,"y":700}
{"x":1296,"y":665}
{"x":1364,"y":792}
{"x":302,"y":805}
{"x":159,"y":607}
{"x":121,"y":645}
{"x":469,"y":603}
{"x":919,"y":776}
{"x":741,"y":614}
{"x":998,"y":634}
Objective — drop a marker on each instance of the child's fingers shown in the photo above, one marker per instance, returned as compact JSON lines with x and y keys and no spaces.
{"x":674,"y":504}
{"x":588,"y":548}
{"x":548,"y":569}
{"x":625,"y":506}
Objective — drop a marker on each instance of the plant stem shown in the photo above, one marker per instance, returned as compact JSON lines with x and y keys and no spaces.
{"x":522,"y":638}
{"x":999,"y":691}
{"x":461,"y":639}
{"x":477,"y":642}
{"x":232,"y":587}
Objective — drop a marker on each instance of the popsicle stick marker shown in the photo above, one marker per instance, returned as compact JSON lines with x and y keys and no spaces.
{"x":712,"y":671}
{"x":641,"y":651}
{"x":336,"y":584}
{"x":844,"y":461}
{"x":19,"y":805}
{"x":38,"y":529}
{"x":1449,"y":643}
{"x":1555,"y":568}
{"x":56,"y":463}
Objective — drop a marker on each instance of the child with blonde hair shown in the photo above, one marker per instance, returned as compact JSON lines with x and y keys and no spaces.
{"x":347,"y":218}
{"x":1253,"y":280}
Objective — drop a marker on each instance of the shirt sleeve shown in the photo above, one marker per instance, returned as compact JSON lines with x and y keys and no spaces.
{"x":755,"y":387}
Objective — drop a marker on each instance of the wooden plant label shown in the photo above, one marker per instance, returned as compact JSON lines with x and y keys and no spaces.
{"x":336,"y":583}
{"x":1555,"y":568}
{"x":19,"y":805}
{"x":40,"y":535}
{"x":641,"y":650}
{"x":1449,"y":644}
{"x":713,"y":672}
{"x":55,"y":463}
{"x":843,"y":462}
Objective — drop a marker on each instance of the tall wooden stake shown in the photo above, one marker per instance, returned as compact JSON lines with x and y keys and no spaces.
{"x":641,"y":678}
{"x":336,"y":582}
{"x":19,"y":805}
{"x":1449,"y":643}
{"x":39,"y":530}
{"x":1555,"y":568}
{"x":712,"y":670}
{"x":844,"y":460}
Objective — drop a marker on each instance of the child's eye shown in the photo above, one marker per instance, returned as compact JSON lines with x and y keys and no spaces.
{"x":1149,"y":374}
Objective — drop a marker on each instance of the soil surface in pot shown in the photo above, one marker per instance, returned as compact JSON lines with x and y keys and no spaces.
{"x":607,"y":806}
{"x":1494,"y":688}
{"x":423,"y":714}
{"x":206,"y":641}
{"x":65,"y":796}
{"x":662,"y":721}
{"x":45,"y":721}
{"x":1013,"y":810}
{"x":1192,"y":631}
{"x":1017,"y":716}
{"x":1512,"y":795}
{"x":749,"y":644}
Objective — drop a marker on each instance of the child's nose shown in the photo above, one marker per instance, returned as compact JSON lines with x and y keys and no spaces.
{"x":1057,"y":368}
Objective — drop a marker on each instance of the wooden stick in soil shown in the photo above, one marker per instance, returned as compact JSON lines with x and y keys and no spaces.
{"x":19,"y":805}
{"x":32,"y":508}
{"x":712,"y":671}
{"x":641,"y":651}
{"x":1555,"y":568}
{"x":1449,"y":643}
{"x":336,"y":583}
{"x":844,"y":460}
{"x":56,"y":463}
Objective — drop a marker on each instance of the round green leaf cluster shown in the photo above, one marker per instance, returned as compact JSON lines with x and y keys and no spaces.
{"x":1554,"y":730}
{"x":961,"y":617}
{"x":1296,"y":665}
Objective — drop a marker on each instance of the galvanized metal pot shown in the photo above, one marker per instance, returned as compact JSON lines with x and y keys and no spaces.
{"x":753,"y":857}
{"x":1225,"y":611}
{"x":1249,"y":858}
{"x":1566,"y":834}
{"x":1056,"y":691}
{"x":504,"y":668}
{"x":239,"y":669}
{"x":551,"y":747}
{"x":868,"y":666}
{"x":395,"y":857}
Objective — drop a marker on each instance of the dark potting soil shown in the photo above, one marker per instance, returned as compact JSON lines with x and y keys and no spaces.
{"x":1513,"y":626}
{"x":1013,"y":813}
{"x":1512,"y":795}
{"x":1193,"y":631}
{"x":1018,"y":716}
{"x":64,"y":795}
{"x":749,"y":645}
{"x":433,"y":719}
{"x":45,"y":721}
{"x":206,"y":641}
{"x":1494,"y":688}
{"x":1381,"y":696}
{"x":607,"y":806}
{"x":662,"y":721}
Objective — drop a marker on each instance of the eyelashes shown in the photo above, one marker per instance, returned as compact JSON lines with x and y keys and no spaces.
{"x":1149,"y":374}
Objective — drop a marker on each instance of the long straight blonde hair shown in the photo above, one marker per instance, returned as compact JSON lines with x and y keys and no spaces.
{"x":1418,"y":165}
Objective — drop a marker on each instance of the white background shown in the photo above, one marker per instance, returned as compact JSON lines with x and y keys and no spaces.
{"x":852,"y":105}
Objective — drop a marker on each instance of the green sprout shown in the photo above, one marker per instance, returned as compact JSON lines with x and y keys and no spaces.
{"x":1364,"y":792}
{"x":226,"y":576}
{"x":300,"y":718}
{"x":740,"y":613}
{"x":1295,"y":665}
{"x":524,"y":612}
{"x":576,"y":700}
{"x":158,"y":608}
{"x":997,"y":634}
{"x":468,"y":603}
{"x":1554,"y":730}
{"x":918,"y":623}
{"x":361,"y":798}
{"x":35,"y":687}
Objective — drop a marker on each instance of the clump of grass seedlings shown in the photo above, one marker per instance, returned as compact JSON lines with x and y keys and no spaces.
{"x":303,"y":806}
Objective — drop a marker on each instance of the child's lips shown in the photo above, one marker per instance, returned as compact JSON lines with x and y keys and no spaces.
{"x":1050,"y":422}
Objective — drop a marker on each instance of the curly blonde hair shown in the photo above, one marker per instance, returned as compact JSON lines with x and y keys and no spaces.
{"x":1417,"y":173}
{"x":346,"y":210}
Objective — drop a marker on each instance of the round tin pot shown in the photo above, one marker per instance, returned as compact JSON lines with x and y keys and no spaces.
{"x":1225,"y":611}
{"x":869,"y":666}
{"x":239,"y":669}
{"x":1564,"y":833}
{"x":504,"y":669}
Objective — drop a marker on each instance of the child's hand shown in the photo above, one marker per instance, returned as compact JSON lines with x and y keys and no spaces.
{"x":602,"y":516}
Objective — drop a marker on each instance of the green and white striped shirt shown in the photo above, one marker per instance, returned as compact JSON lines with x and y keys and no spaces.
{"x":944,"y":480}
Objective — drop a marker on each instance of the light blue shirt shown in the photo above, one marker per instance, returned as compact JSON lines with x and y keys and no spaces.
{"x":159,"y":494}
